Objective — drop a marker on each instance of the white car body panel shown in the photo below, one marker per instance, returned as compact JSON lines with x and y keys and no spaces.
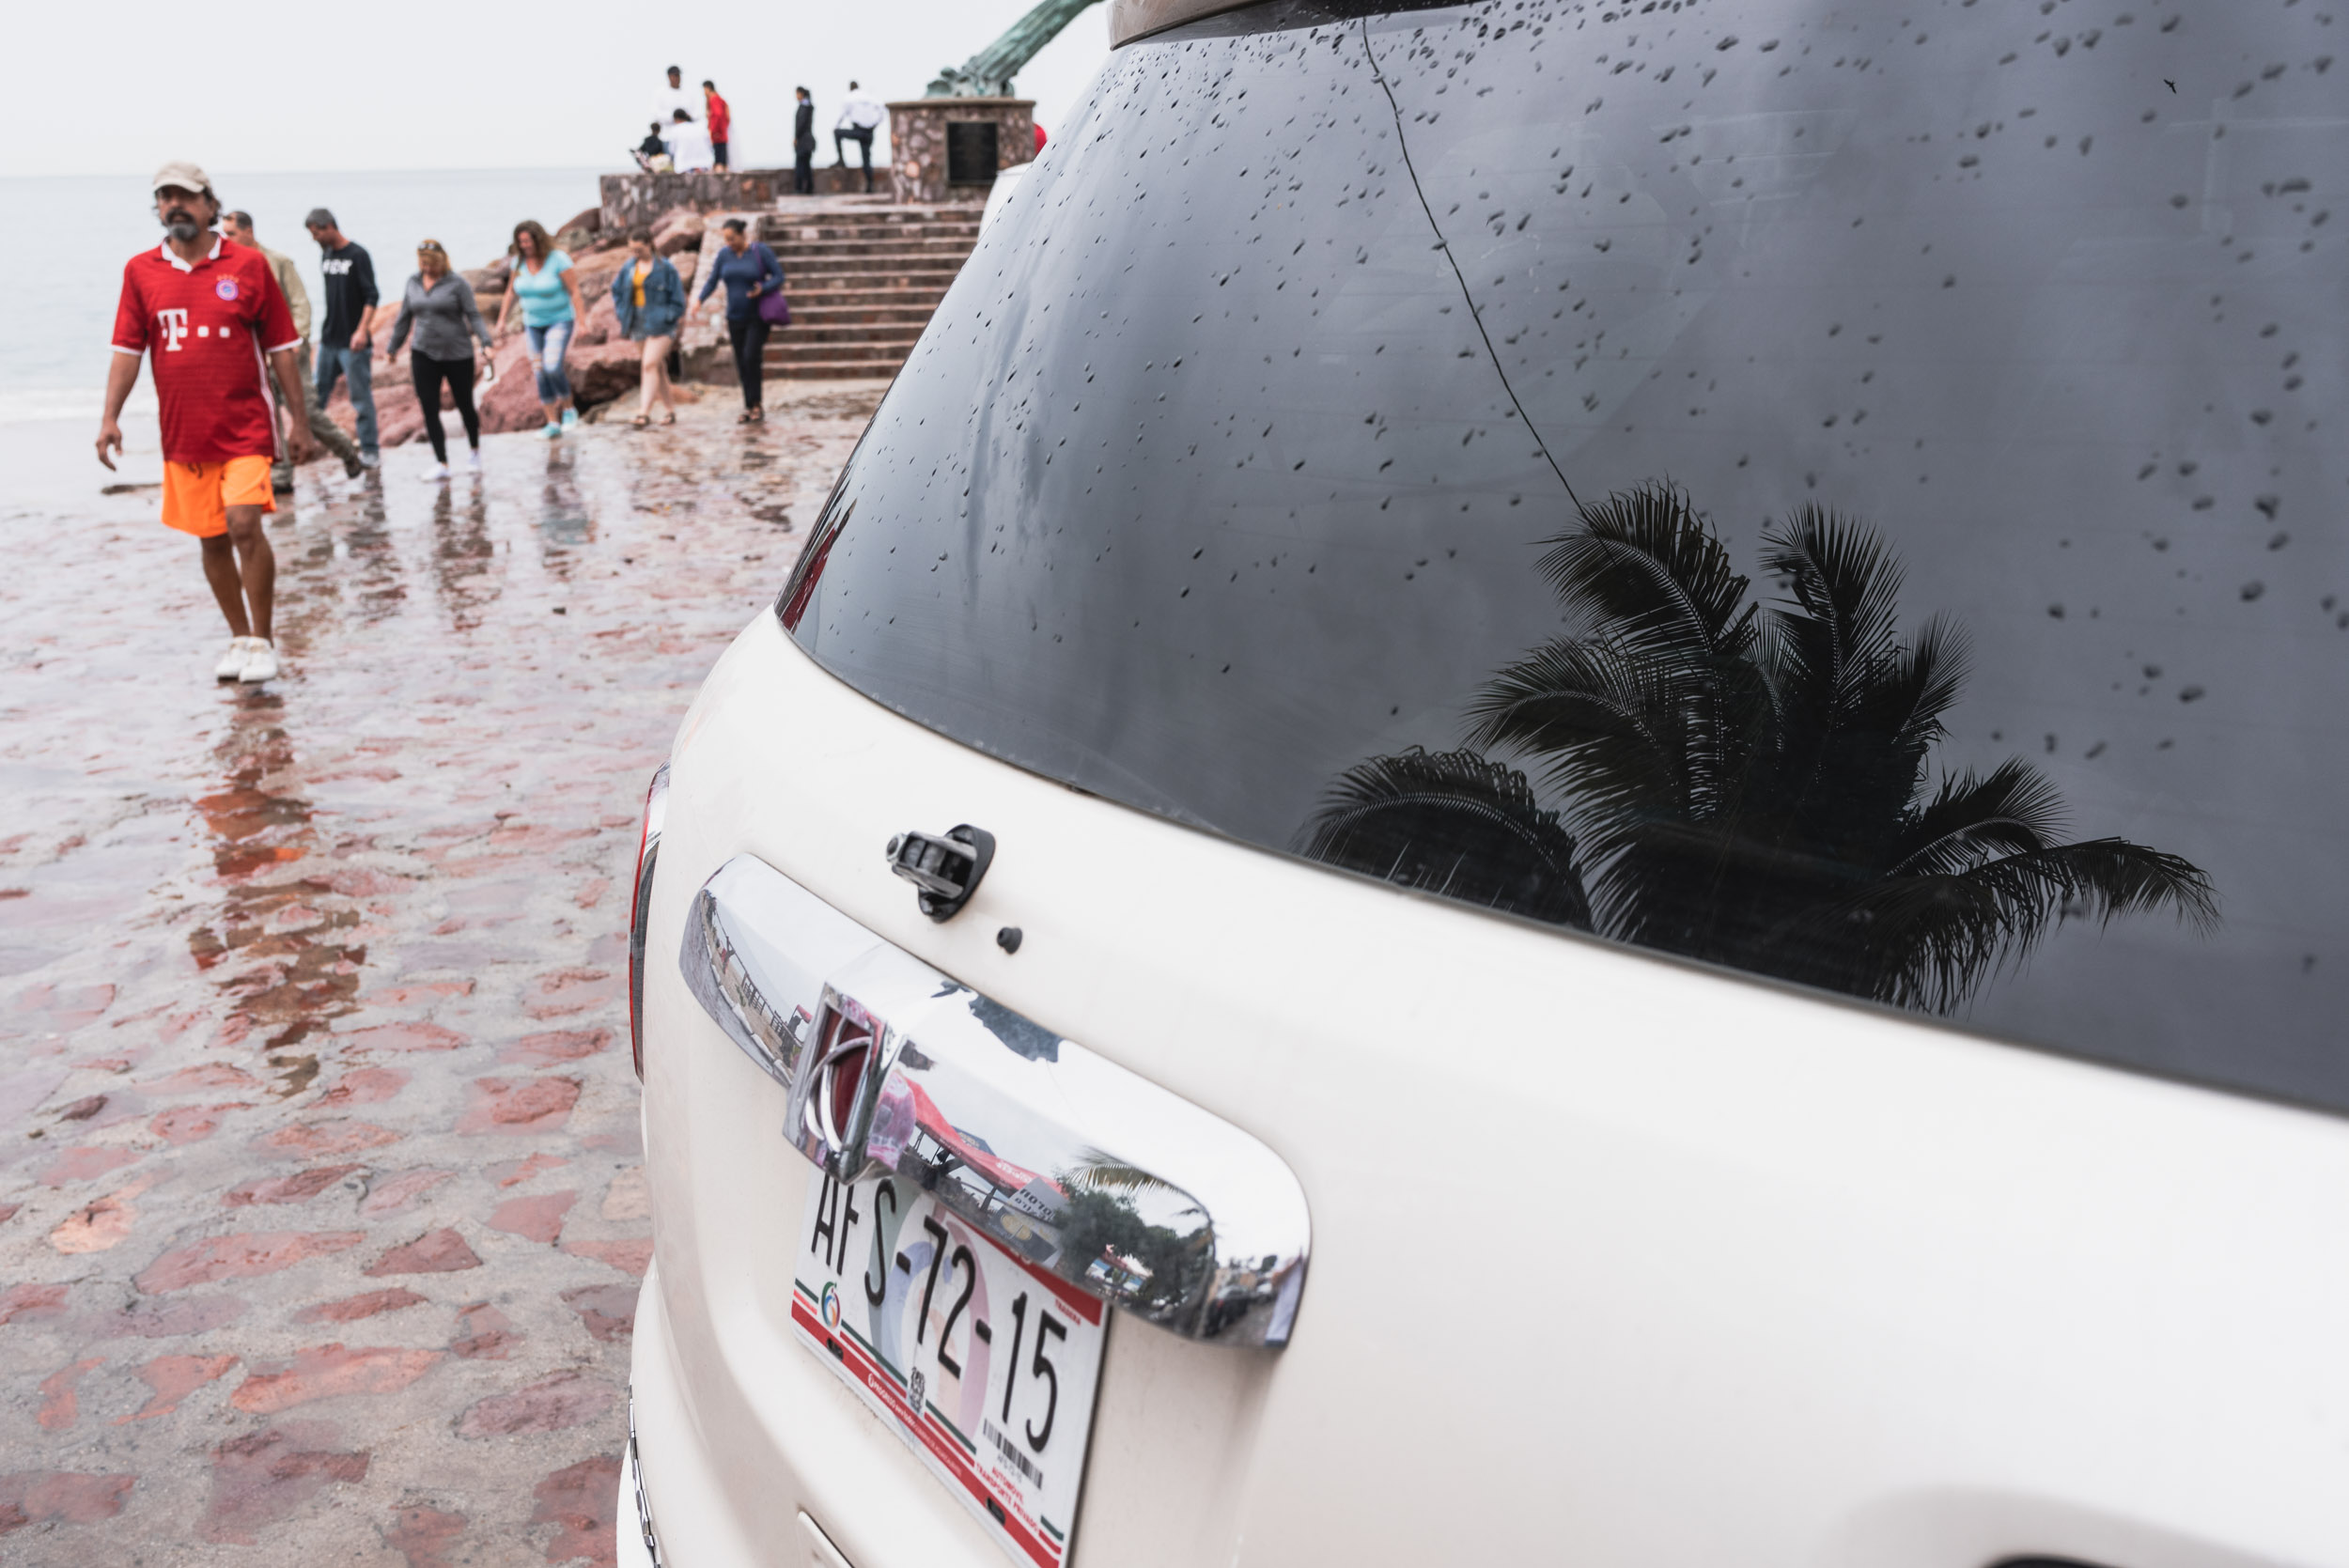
{"x":1616,"y":1260}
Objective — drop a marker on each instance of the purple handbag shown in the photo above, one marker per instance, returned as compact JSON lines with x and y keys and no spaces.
{"x":773,"y":308}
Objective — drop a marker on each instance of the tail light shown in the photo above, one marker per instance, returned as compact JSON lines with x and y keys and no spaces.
{"x":640,"y":910}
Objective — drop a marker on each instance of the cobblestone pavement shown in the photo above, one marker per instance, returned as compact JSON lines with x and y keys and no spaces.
{"x":322,"y":1214}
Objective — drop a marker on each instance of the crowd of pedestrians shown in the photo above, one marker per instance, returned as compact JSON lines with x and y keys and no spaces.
{"x":225,"y":324}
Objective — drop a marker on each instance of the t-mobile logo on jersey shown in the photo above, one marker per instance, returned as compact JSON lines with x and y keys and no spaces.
{"x":175,"y":328}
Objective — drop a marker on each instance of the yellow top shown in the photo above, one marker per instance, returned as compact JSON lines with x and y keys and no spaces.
{"x":637,"y":282}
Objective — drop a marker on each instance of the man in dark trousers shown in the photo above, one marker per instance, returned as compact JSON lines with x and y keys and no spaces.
{"x":720,"y":119}
{"x":346,"y":341}
{"x":804,"y":146}
{"x":860,"y":116}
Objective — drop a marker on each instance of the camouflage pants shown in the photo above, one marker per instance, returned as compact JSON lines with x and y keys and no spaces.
{"x":330,"y":435}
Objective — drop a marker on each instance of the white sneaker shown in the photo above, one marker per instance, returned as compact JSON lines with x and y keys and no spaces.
{"x":438,"y":476}
{"x":231,"y":666}
{"x":473,"y":459}
{"x":370,"y":459}
{"x":260,"y":663}
{"x":553,"y":431}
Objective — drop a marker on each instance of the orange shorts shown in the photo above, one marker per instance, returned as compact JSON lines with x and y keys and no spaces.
{"x":196,"y":496}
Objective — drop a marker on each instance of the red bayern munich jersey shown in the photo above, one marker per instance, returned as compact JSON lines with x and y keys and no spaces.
{"x":204,"y":330}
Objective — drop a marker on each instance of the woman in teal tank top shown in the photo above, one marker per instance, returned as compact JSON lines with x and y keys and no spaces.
{"x":550,"y":313}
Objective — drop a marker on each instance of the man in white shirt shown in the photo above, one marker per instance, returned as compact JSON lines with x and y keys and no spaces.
{"x":689,"y":144}
{"x":859,"y":117}
{"x":674,"y":96}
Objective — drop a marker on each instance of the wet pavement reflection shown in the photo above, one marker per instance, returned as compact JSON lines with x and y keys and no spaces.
{"x":321,"y":1209}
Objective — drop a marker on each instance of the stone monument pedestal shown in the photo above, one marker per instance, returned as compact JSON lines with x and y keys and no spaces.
{"x":944,"y":150}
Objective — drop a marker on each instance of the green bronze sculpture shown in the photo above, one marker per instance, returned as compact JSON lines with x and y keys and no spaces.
{"x":989,"y":72}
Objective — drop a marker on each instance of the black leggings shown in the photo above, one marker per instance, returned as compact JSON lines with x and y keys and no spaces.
{"x":428,"y":373}
{"x":748,"y":333}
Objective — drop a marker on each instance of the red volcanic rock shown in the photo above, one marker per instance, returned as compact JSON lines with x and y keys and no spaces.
{"x":69,"y":1497}
{"x":172,"y":1378}
{"x":405,"y":1036}
{"x":286,"y":1190}
{"x":30,"y":1302}
{"x":260,"y":1477}
{"x":197,"y":1079}
{"x":548,"y":1405}
{"x":539,"y":1218}
{"x":603,"y":372}
{"x":239,"y":1257}
{"x":83,"y":1164}
{"x":424,"y":1536}
{"x":353,"y":1308}
{"x":513,"y":1172}
{"x":59,"y":1405}
{"x":607,"y":1312}
{"x":438,"y":1251}
{"x":365,"y":1086}
{"x":484,"y":1334}
{"x":681,"y":230}
{"x":441,"y":1252}
{"x":397,"y":1193}
{"x":326,"y":1371}
{"x":519,"y":1104}
{"x":557,"y":1046}
{"x":629,"y":1257}
{"x":191,"y":1124}
{"x":583,"y":1500}
{"x":333,"y":1136}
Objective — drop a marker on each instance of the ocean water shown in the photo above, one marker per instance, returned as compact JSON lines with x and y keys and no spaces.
{"x":52,"y":361}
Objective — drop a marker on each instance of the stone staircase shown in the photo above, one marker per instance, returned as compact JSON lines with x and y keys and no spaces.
{"x":862,"y":282}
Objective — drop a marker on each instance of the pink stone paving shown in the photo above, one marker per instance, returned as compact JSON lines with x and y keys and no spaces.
{"x":322,"y":1221}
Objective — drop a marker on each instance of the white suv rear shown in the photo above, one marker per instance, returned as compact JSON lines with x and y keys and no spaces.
{"x":1556,"y":789}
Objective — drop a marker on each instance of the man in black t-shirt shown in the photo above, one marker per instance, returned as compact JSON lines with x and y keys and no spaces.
{"x":347,"y":340}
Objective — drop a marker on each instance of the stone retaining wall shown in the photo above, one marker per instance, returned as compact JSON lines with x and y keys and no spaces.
{"x":644,"y":198}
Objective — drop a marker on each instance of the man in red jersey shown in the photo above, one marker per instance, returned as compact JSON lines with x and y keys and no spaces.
{"x":209,"y":313}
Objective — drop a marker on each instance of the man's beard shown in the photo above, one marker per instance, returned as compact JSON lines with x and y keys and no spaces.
{"x":182,"y":226}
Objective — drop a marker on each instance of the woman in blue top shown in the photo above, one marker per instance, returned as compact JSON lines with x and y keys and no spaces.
{"x":750,"y":272}
{"x":550,"y":313}
{"x":649,"y":299}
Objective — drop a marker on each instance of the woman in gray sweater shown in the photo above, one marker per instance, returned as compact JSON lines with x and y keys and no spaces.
{"x":440,"y":306}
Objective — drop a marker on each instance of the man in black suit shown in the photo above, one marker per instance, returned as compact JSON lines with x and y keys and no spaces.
{"x":803,"y":144}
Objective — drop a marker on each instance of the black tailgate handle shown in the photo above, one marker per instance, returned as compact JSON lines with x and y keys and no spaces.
{"x":944,"y":871}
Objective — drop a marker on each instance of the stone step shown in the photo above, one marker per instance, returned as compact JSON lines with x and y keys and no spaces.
{"x":835,"y":370}
{"x":924,"y":300}
{"x":823,"y":339}
{"x":859,"y":234}
{"x":870,"y":261}
{"x":956,"y":246}
{"x":807,"y":315}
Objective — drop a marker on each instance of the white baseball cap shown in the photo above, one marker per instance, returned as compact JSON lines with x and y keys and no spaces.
{"x":184,"y":175}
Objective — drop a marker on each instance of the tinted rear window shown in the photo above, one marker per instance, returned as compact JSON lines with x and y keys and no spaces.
{"x":1848,"y":492}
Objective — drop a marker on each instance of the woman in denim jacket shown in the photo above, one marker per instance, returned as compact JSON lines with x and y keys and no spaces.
{"x":649,"y":298}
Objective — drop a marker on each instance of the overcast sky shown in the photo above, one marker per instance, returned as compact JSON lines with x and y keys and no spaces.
{"x":120,"y":86}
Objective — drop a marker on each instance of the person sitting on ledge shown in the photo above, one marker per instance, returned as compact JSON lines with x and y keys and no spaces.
{"x":652,"y":153}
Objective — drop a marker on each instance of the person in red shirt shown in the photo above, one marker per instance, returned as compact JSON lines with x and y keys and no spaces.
{"x":720,"y":119}
{"x":209,"y":314}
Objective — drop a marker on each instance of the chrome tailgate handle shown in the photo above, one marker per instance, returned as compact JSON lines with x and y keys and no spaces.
{"x":1087,"y":1171}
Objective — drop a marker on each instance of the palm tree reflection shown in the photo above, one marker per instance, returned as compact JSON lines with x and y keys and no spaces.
{"x":1743,"y":786}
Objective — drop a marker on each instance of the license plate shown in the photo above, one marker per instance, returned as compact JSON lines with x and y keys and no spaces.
{"x":985,"y":1366}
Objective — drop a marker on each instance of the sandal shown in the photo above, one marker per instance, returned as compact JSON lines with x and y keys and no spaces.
{"x":669,"y":418}
{"x":641,"y":421}
{"x":756,"y":416}
{"x":743,"y":418}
